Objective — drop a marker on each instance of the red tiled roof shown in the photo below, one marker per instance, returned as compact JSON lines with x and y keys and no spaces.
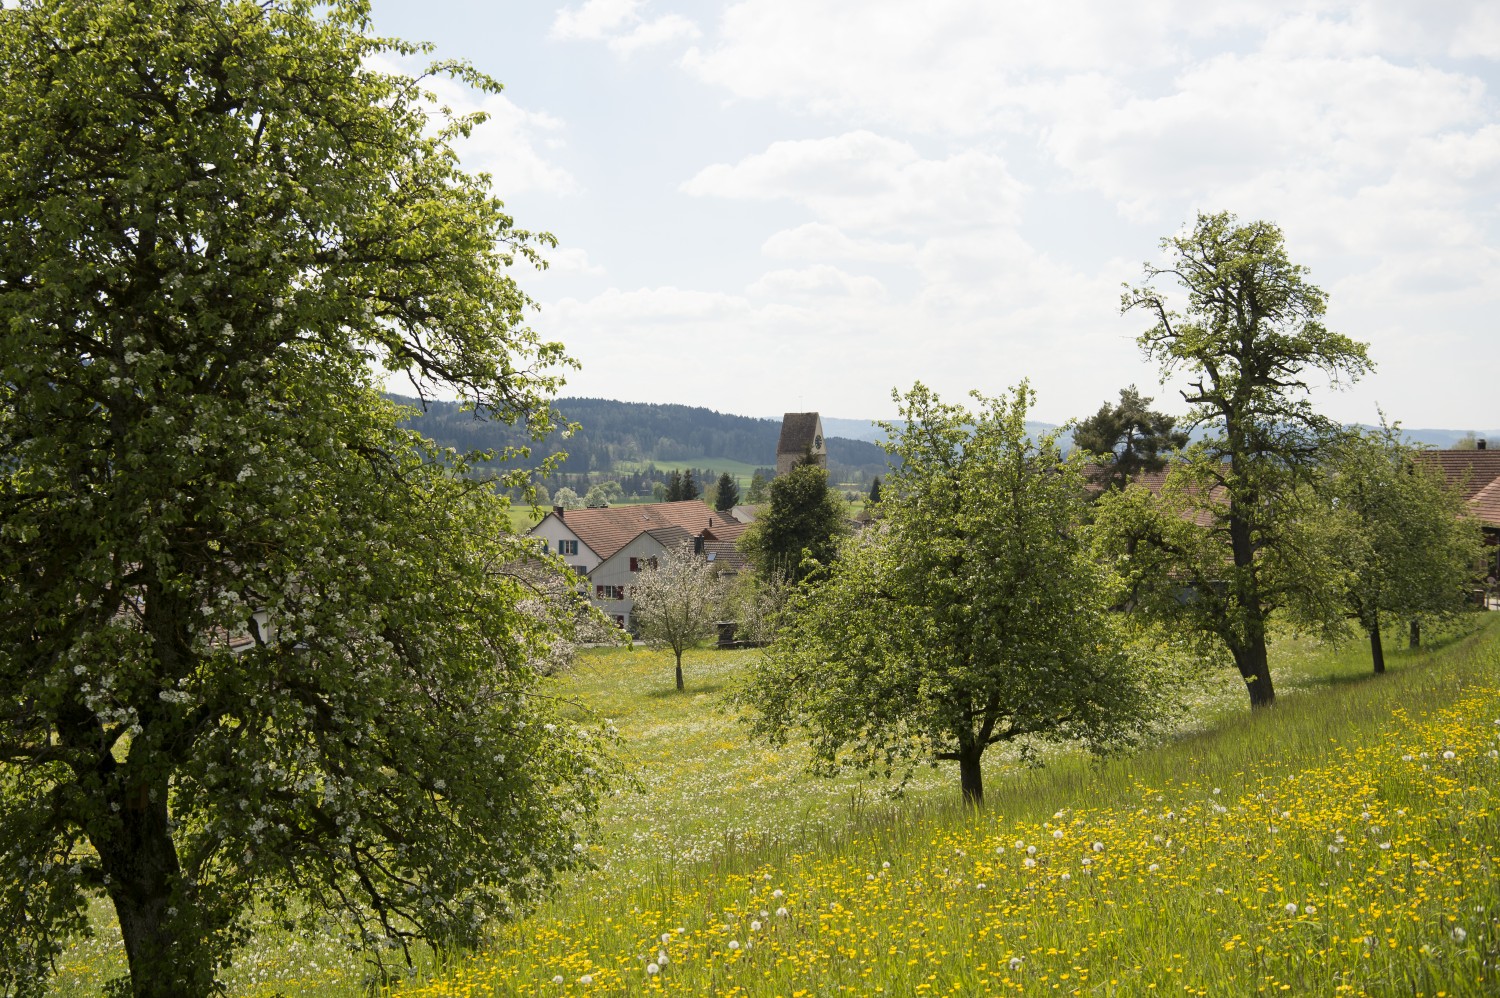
{"x":1472,"y":471}
{"x":609,"y":529}
{"x":1485,"y":505}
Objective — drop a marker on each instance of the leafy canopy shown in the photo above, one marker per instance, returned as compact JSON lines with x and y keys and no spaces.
{"x":801,"y":528}
{"x":1250,"y":334}
{"x":256,"y":641}
{"x":1131,"y":437}
{"x":970,"y":614}
{"x":1403,"y":544}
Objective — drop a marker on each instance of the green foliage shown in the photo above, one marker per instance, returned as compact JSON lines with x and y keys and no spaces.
{"x":801,"y":528}
{"x":677,"y":602}
{"x":971,"y":615}
{"x":1250,"y":332}
{"x":1130,"y":436}
{"x":567,"y":499}
{"x":213,"y":217}
{"x":757,"y":493}
{"x":1401,"y":539}
{"x":690,"y":488}
{"x":726,"y":493}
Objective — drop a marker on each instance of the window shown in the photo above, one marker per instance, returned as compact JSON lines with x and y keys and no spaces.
{"x":567,"y":547}
{"x":619,"y":621}
{"x":609,"y":592}
{"x":635,"y":564}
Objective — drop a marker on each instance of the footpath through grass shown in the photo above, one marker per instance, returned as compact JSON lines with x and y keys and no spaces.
{"x":1342,"y":843}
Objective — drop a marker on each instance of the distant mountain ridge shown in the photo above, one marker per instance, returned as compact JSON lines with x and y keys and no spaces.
{"x":667,"y":433}
{"x":612,"y":432}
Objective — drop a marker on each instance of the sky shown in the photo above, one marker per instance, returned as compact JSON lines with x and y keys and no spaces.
{"x":786,"y":205}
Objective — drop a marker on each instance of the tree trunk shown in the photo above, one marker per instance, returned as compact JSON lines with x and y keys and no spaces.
{"x":1255,"y":671}
{"x":1377,"y":653}
{"x":162,"y":944}
{"x":971,"y":778}
{"x":1250,"y":650}
{"x":679,"y":672}
{"x":1414,"y":638}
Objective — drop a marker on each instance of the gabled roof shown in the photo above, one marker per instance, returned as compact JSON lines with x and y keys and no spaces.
{"x":609,"y":529}
{"x":1469,"y":470}
{"x":1486,"y":505}
{"x":799,"y":432}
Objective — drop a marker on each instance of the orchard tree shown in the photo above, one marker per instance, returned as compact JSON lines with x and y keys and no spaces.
{"x":567,"y":498}
{"x":1402,"y":538}
{"x":726,"y":493}
{"x":970,"y":615}
{"x":1247,"y":338}
{"x":677,"y":602}
{"x":259,"y":645}
{"x":1131,"y":436}
{"x":802,"y":527}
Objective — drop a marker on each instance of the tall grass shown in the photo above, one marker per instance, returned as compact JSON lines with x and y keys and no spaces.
{"x":1326,"y":846}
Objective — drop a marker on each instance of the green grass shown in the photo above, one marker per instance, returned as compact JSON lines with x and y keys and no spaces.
{"x":714,"y":825}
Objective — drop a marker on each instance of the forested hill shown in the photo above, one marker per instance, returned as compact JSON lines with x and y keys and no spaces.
{"x":615,"y":432}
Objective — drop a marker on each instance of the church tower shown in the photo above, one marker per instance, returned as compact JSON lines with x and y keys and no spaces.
{"x":801,"y":435}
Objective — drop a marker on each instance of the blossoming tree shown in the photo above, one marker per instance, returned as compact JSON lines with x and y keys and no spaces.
{"x":257,"y":642}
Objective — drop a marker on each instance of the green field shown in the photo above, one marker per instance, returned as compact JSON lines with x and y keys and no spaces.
{"x":1331,"y":845}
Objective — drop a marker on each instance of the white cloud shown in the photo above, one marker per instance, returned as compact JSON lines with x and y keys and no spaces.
{"x":594,"y":20}
{"x":865,"y":181}
{"x":571,"y":260}
{"x":990,"y":172}
{"x":818,"y":281}
{"x":821,"y":241}
{"x":515,"y":146}
{"x":620,"y":25}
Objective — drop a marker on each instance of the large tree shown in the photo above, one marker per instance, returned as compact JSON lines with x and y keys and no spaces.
{"x":257,"y":642}
{"x":801,"y":527}
{"x":677,"y":602}
{"x":1402,"y":540}
{"x":970,"y":614}
{"x":1130,"y":436}
{"x":1249,"y":334}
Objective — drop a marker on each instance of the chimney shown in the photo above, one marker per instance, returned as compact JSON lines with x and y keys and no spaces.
{"x":698,"y":544}
{"x":558,"y":510}
{"x":1479,"y":443}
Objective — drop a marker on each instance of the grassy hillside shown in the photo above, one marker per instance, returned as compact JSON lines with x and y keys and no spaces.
{"x":1329,"y":846}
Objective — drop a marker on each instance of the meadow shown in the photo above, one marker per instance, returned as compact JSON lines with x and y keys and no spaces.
{"x":1343,"y":842}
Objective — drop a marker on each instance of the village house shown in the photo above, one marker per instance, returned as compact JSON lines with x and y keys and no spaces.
{"x":1476,"y":474}
{"x":610,"y":546}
